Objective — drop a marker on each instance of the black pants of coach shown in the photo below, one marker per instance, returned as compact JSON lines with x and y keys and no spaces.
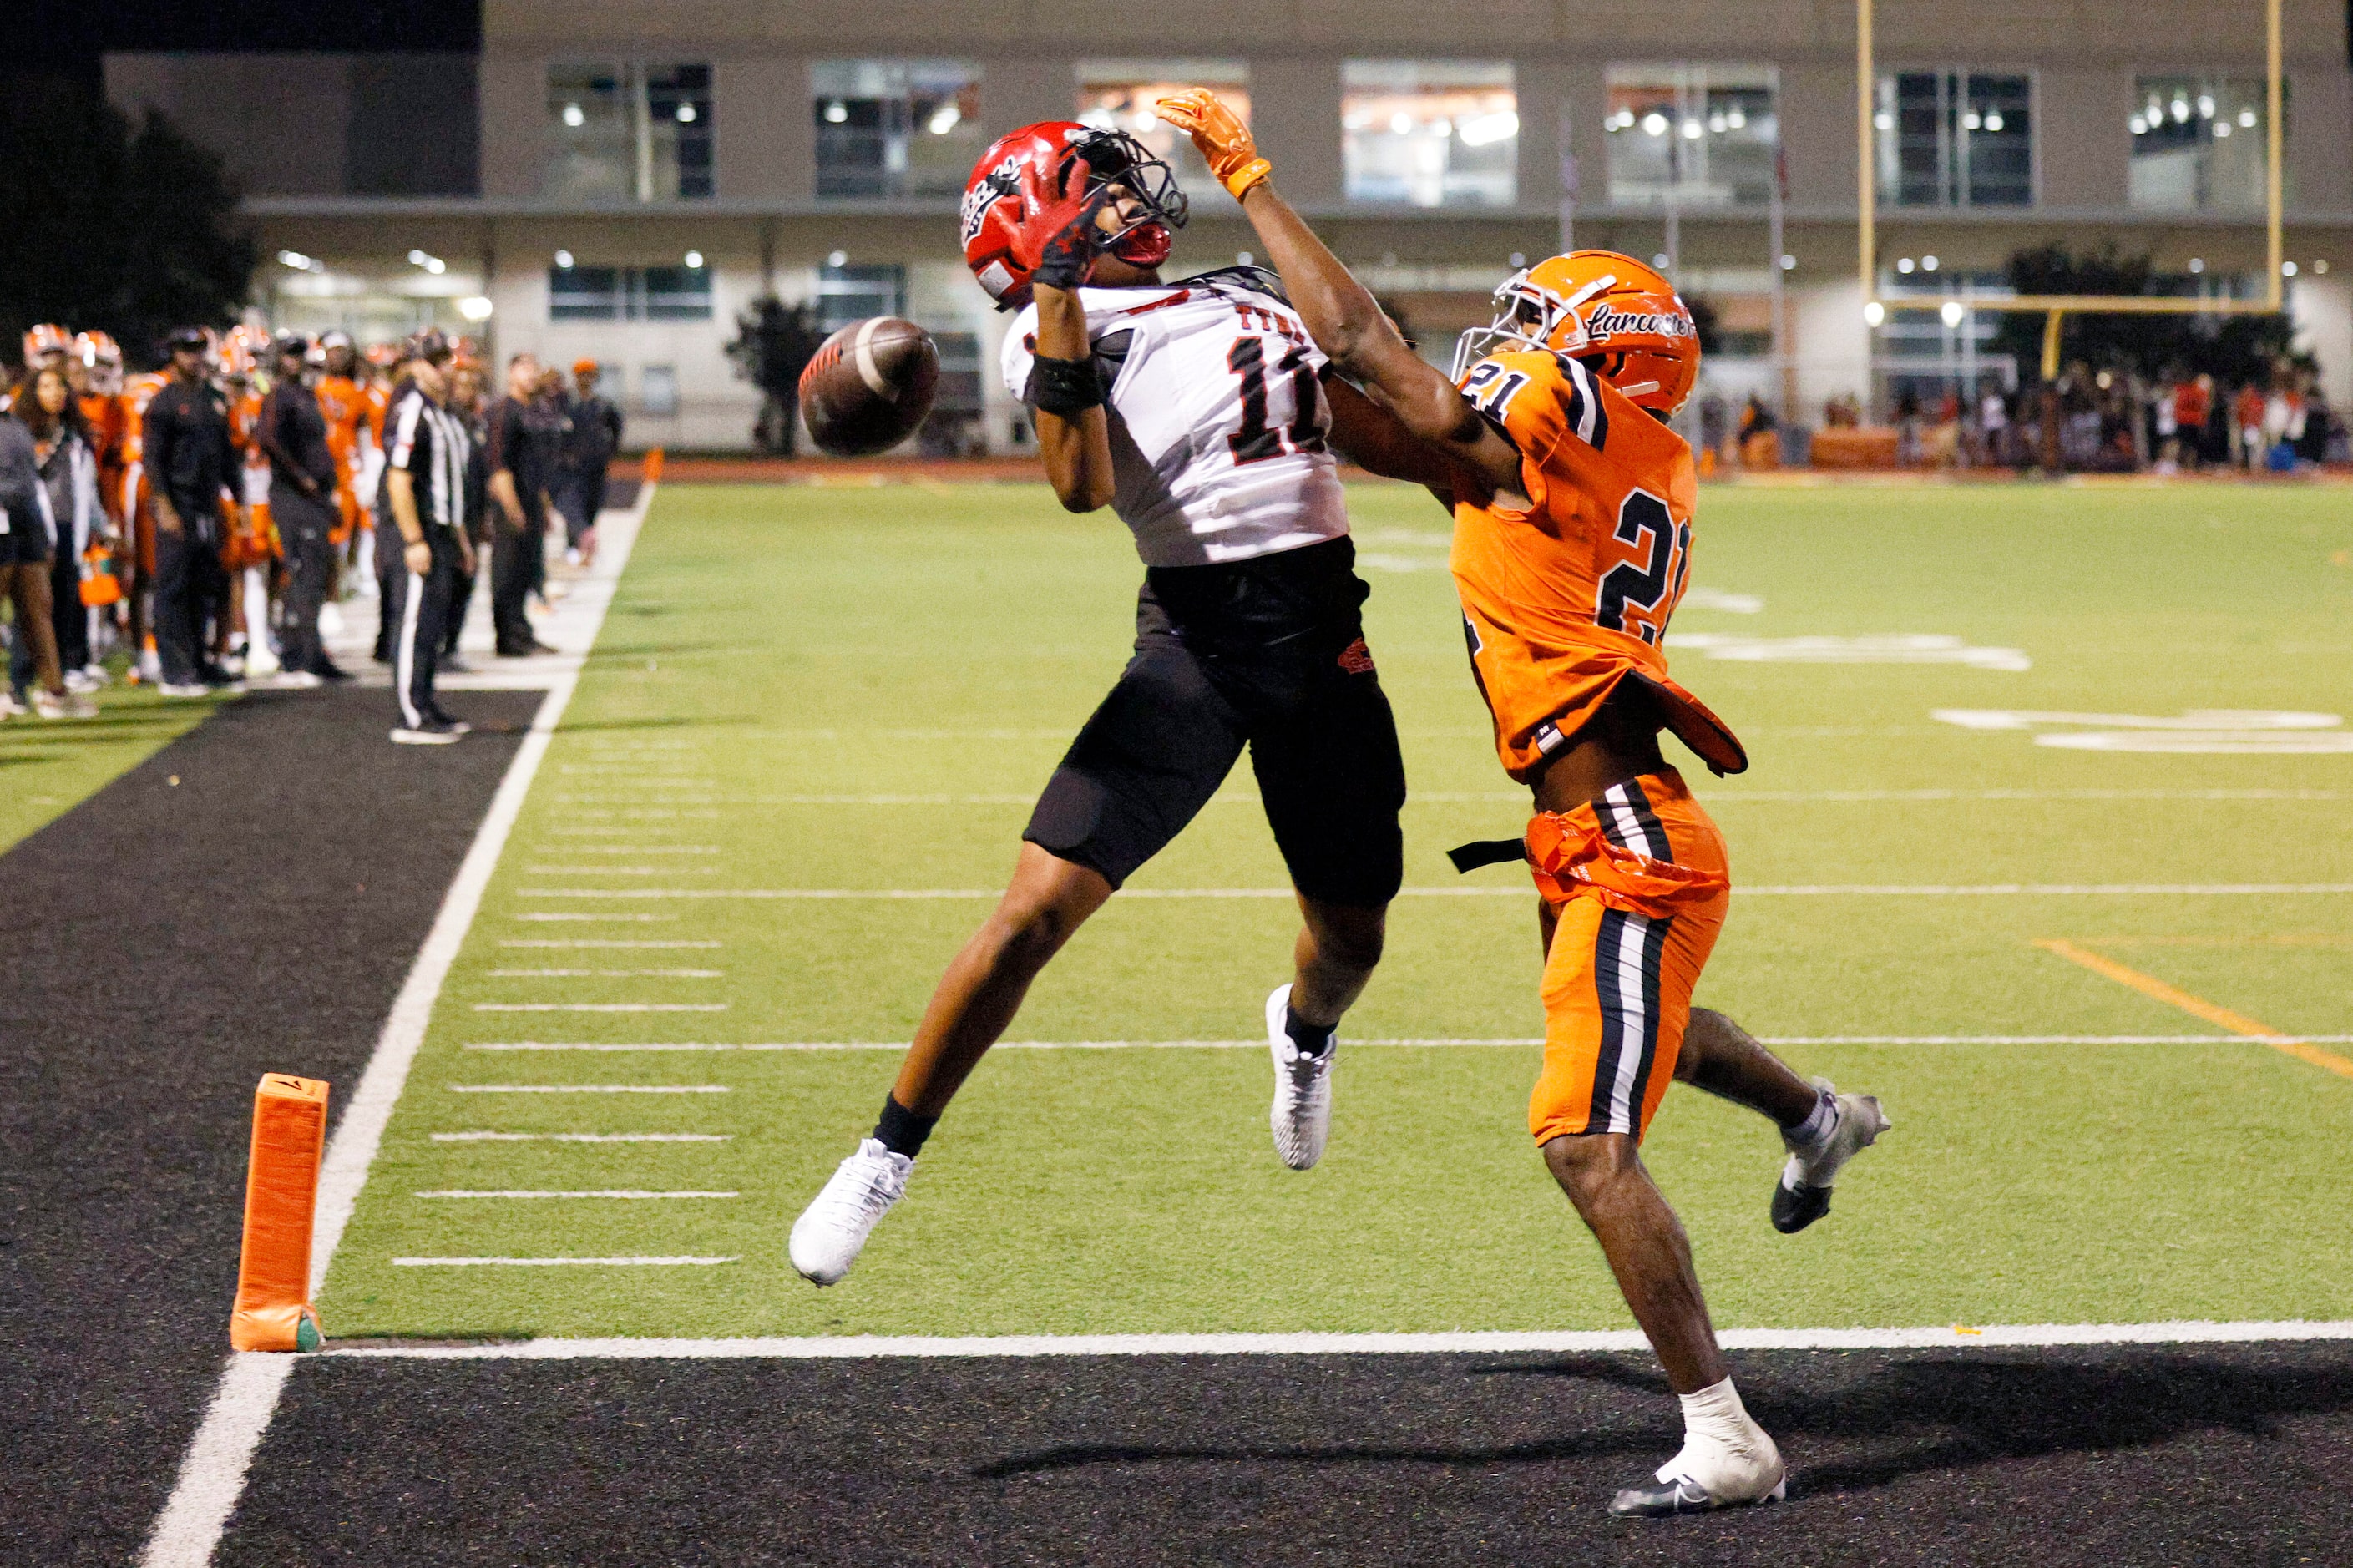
{"x":512,"y":577}
{"x":189,"y":582}
{"x":303,"y":523}
{"x":419,"y":620}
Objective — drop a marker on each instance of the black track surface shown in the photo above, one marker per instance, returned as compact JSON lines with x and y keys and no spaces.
{"x":2226,"y":1455}
{"x":168,"y":943}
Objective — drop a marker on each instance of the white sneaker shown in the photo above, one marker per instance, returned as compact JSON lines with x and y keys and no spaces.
{"x":331,"y":620}
{"x":72,"y":705}
{"x":82,"y":683}
{"x":185,"y":688}
{"x":825,"y":1239}
{"x":96,"y":674}
{"x":298,"y":680}
{"x":1804,"y":1195}
{"x":151,"y":666}
{"x":1302,"y":1112}
{"x":10,"y":707}
{"x":1710,"y":1473}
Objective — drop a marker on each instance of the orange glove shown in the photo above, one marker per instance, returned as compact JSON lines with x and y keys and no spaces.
{"x":1224,"y":140}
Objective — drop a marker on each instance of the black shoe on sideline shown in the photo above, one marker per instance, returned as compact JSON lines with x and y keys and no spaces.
{"x":329,"y":670}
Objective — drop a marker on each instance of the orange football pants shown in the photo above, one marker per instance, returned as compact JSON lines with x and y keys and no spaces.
{"x":1638,"y":884}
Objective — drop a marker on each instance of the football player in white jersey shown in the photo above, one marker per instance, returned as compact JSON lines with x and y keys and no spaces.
{"x":1199,"y":412}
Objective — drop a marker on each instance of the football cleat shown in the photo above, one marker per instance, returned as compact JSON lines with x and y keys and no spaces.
{"x":1804,"y":1195}
{"x":1302,"y":1112}
{"x":425,"y":732}
{"x":1660,"y":1499}
{"x":1710,"y":1472}
{"x":831,"y":1231}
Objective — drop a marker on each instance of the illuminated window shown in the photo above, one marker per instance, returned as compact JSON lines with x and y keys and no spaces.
{"x":2199,"y":144}
{"x":1956,"y":138}
{"x":1706,"y":134}
{"x":628,"y":131}
{"x":628,"y":294}
{"x":895,"y":128}
{"x":1118,"y":95}
{"x":1430,"y":134}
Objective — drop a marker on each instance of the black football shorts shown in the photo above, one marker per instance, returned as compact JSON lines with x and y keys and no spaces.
{"x":1267,"y":653}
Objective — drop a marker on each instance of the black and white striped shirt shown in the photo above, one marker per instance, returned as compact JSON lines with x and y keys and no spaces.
{"x":430,"y":445}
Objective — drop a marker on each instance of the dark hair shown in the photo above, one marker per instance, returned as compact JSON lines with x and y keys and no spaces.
{"x":25,"y":404}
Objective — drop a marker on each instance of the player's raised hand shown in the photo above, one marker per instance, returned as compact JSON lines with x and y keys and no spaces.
{"x":1224,"y":140}
{"x":1073,"y":233}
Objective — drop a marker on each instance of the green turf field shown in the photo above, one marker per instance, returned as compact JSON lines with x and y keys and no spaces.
{"x":48,"y":767}
{"x":859,"y":689}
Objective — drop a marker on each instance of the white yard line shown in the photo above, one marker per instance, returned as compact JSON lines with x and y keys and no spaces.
{"x":1785,"y":890}
{"x":1437,"y":1041}
{"x":556,"y":915}
{"x":212,"y":1476}
{"x":582,"y":1137}
{"x":559,"y":1262}
{"x":589,"y":1089}
{"x":602,"y":974}
{"x":854,"y":1347}
{"x":588,"y":1193}
{"x":526,"y":941}
{"x":620,"y":870}
{"x":600,"y":1006}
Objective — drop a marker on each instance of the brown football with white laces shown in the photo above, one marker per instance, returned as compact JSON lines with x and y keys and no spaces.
{"x":869,"y":386}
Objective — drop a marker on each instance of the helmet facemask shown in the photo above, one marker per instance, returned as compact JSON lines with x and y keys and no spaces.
{"x":1118,"y":162}
{"x":1527,"y":317}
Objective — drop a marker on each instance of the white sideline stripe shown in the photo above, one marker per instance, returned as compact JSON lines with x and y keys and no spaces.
{"x":588,"y":1193}
{"x":1784,"y":890}
{"x":582,"y":1137}
{"x":559,"y":1262}
{"x":860,"y":1347}
{"x":600,"y":1006}
{"x":1499,"y":1040}
{"x":589,"y":1089}
{"x":529,"y":941}
{"x":212,"y":1476}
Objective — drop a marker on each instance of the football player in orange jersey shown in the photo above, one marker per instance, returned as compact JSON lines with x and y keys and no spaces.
{"x":1573,"y":503}
{"x":97,"y":359}
{"x":248,"y":547}
{"x":139,"y":514}
{"x":348,"y":410}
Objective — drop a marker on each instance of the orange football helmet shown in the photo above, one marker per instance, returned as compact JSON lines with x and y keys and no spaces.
{"x":45,"y":341}
{"x":1621,"y":318}
{"x":100,"y":358}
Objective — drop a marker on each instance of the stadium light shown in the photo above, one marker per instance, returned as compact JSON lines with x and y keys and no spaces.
{"x":1953,"y":312}
{"x":432,"y":264}
{"x":563,"y":259}
{"x":694,"y":258}
{"x":944,"y":118}
{"x":838,"y":259}
{"x":1873,"y":312}
{"x":476,"y":306}
{"x":573,"y":117}
{"x":300,"y":262}
{"x":836,"y":112}
{"x":686,"y":114}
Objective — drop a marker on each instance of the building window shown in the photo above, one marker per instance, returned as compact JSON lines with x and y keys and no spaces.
{"x":1706,"y":136}
{"x":1430,"y":134}
{"x":895,"y":128}
{"x":1956,"y":138}
{"x":628,"y":131}
{"x":851,"y":293}
{"x":628,"y":294}
{"x":2199,"y":144}
{"x":1118,"y":95}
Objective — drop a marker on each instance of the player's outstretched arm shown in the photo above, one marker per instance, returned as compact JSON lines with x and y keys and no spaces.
{"x":1074,"y":431}
{"x":1371,"y":437}
{"x":1340,"y":313}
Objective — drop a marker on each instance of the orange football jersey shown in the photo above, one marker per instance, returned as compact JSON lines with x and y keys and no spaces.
{"x":106,"y":416}
{"x":1563,"y":601}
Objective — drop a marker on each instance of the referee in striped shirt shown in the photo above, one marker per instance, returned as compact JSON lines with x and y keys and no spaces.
{"x":425,"y":475}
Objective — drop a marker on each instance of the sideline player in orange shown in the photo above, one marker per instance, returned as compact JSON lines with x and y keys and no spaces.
{"x":106,"y":419}
{"x":348,"y":410}
{"x":1573,"y":504}
{"x":249,"y":547}
{"x":139,"y":511}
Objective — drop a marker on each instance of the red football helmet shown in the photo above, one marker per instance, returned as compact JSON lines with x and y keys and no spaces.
{"x":1025,"y":175}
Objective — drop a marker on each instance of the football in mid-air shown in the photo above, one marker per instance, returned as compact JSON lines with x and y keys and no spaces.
{"x":869,"y":385}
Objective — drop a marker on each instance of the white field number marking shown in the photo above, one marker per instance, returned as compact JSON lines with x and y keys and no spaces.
{"x":2227,"y":731}
{"x":1897,"y":647}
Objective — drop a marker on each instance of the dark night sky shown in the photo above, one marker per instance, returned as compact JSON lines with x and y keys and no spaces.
{"x":69,"y":34}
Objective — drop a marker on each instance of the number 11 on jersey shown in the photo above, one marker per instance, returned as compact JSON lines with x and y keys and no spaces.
{"x":1257,"y":439}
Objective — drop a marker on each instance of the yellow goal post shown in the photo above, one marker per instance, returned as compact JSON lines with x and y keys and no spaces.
{"x":2056,"y":308}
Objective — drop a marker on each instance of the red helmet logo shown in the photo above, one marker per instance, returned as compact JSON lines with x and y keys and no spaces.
{"x":1029,"y":172}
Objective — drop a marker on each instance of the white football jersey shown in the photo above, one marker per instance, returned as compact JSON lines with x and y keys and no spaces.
{"x":1218,"y":419}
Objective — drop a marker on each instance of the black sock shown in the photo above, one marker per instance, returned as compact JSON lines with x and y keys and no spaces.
{"x":901,"y":1131}
{"x":1312,"y":1039}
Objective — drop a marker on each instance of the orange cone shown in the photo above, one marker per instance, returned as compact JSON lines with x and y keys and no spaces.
{"x":282,"y":1191}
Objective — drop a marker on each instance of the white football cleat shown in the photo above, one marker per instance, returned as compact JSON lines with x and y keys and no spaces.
{"x":825,"y":1239}
{"x":1710,"y":1474}
{"x":1804,"y":1195}
{"x":1302,"y":1112}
